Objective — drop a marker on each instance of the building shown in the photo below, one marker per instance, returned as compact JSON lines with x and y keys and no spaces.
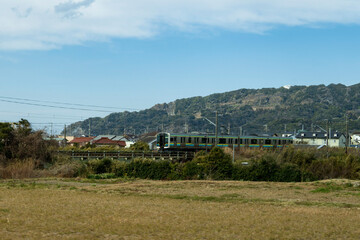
{"x":150,"y":139}
{"x":335,"y":139}
{"x":126,"y":139}
{"x":81,"y":141}
{"x":104,"y":141}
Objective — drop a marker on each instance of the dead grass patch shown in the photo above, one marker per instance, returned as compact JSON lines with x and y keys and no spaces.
{"x":143,"y":209}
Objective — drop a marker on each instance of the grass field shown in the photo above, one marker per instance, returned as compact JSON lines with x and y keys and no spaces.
{"x":141,"y":209}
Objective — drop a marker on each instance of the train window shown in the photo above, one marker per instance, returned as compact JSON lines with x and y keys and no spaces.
{"x":175,"y":140}
{"x":203,"y":140}
{"x":283,"y":141}
{"x":236,"y":141}
{"x":189,"y":140}
{"x":253,"y":141}
{"x":196,"y":140}
{"x":222,"y":140}
{"x":171,"y":139}
{"x":291,"y":141}
{"x":213,"y":140}
{"x":261,"y":141}
{"x":241,"y":141}
{"x":267,"y":141}
{"x":279,"y":142}
{"x":182,"y":140}
{"x":246,"y":141}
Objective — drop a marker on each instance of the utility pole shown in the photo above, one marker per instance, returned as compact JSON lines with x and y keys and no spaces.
{"x":228,"y":128}
{"x":65,"y":141}
{"x":51,"y":134}
{"x":347,"y":133}
{"x":284,"y":128}
{"x":89,"y":127}
{"x":65,"y":132}
{"x":327,"y":139}
{"x":216,"y":130}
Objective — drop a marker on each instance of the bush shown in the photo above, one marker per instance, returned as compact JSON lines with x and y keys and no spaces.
{"x":100,"y":166}
{"x":140,"y":146}
{"x":192,"y":171}
{"x":69,"y":169}
{"x":264,"y":169}
{"x":241,"y":172}
{"x":149,"y":169}
{"x":216,"y":164}
{"x":288,"y":172}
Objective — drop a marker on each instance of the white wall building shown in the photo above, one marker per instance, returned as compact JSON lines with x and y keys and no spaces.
{"x":335,"y":139}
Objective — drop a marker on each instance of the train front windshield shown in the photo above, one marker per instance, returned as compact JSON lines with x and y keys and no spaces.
{"x":163,"y":140}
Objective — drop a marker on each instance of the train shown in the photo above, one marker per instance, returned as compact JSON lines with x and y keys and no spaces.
{"x":195,"y":142}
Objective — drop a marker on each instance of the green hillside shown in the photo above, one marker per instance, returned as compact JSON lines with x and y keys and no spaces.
{"x":256,"y":110}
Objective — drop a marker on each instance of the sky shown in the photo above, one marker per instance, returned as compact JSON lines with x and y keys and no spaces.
{"x":63,"y":61}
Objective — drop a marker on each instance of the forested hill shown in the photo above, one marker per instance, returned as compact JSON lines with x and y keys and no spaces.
{"x":256,"y":110}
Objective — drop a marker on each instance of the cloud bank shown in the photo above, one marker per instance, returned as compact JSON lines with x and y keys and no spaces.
{"x":41,"y":25}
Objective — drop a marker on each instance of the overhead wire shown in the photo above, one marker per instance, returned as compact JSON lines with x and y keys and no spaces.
{"x":67,"y":103}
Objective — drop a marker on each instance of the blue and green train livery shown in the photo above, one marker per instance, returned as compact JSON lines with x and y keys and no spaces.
{"x":173,"y":141}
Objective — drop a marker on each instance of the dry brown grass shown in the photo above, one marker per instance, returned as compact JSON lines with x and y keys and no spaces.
{"x":18,"y":169}
{"x":141,"y":209}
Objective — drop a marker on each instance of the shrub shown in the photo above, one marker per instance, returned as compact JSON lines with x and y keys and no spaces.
{"x":100,"y":165}
{"x":119,"y":169}
{"x":288,"y":172}
{"x":216,"y":164}
{"x":241,"y":172}
{"x":192,"y":171}
{"x":149,"y":169}
{"x":264,"y":169}
{"x":140,"y":146}
{"x":69,"y":169}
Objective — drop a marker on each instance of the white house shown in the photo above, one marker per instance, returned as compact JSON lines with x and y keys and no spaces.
{"x":335,"y":139}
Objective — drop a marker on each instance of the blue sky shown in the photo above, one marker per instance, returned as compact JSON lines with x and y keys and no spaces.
{"x":135,"y":54}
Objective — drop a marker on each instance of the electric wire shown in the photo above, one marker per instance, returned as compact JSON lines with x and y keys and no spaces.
{"x":67,"y":103}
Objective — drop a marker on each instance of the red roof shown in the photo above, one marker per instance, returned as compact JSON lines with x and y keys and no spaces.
{"x":81,"y":140}
{"x":107,"y":141}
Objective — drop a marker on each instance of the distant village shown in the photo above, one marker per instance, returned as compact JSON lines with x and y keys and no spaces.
{"x":305,"y":138}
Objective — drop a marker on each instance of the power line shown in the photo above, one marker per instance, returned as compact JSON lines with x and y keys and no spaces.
{"x":51,"y":106}
{"x":66,"y":103}
{"x":49,"y":115}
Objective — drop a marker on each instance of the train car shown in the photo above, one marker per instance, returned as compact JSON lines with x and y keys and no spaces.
{"x":181,"y":142}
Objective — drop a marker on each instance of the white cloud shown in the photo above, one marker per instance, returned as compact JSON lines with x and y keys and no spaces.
{"x":39,"y":24}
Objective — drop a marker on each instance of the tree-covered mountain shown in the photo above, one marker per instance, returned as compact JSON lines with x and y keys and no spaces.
{"x":255,"y":110}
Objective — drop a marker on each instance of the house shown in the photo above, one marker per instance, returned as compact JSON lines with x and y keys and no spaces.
{"x":125,"y":138}
{"x":355,"y":139}
{"x":287,"y":134}
{"x":335,"y":139}
{"x":150,"y":139}
{"x":104,"y":136}
{"x":68,"y":138}
{"x":81,"y":141}
{"x":104,"y":141}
